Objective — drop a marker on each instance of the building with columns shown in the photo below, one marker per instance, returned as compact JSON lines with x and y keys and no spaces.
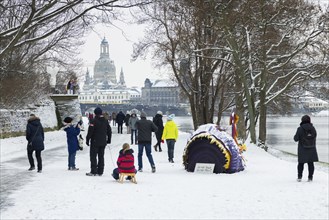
{"x":103,"y":87}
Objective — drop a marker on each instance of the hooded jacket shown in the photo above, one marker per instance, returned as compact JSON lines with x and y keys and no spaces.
{"x":72,"y":133}
{"x":305,"y":155}
{"x":99,"y":132}
{"x":35,"y":133}
{"x":126,"y":161}
{"x":170,"y":131}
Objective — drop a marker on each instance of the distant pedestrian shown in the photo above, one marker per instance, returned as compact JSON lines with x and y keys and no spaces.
{"x":35,"y":137}
{"x":145,"y":128}
{"x":99,"y":134}
{"x":120,"y":118}
{"x":170,"y":134}
{"x":125,"y":162}
{"x":132,"y":124}
{"x":114,"y":116}
{"x":157,"y":120}
{"x":127,"y":122}
{"x":72,"y":133}
{"x":70,"y":87}
{"x":306,"y":137}
{"x":90,"y":116}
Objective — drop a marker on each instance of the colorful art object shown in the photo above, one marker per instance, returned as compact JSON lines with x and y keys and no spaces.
{"x":209,"y":144}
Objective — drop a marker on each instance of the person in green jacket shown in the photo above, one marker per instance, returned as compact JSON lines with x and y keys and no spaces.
{"x":170,"y":134}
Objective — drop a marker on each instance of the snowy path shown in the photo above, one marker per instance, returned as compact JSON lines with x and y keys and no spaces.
{"x":267,"y":189}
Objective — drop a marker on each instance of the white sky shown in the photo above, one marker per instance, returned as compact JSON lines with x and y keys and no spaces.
{"x":120,"y":46}
{"x":266,"y":189}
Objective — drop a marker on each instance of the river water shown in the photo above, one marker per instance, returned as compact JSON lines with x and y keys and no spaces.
{"x":280,"y":132}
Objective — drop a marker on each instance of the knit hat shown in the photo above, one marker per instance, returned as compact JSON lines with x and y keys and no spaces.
{"x":171,"y":117}
{"x":143,"y":115}
{"x":159,"y":112}
{"x":98,"y":111}
{"x":306,"y":119}
{"x":68,"y":120}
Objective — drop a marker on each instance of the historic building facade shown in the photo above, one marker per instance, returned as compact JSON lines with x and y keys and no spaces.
{"x":103,"y":87}
{"x":160,"y":92}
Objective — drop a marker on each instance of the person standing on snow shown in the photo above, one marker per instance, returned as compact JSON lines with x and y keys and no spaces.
{"x":72,"y":133}
{"x":35,"y":137}
{"x":145,"y":128}
{"x":99,"y":134}
{"x":170,"y":134}
{"x":157,"y":120}
{"x":132,"y":124}
{"x":306,"y":137}
{"x":120,"y":118}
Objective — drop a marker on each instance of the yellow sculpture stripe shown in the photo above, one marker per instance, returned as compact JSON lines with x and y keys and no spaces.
{"x":213,"y":140}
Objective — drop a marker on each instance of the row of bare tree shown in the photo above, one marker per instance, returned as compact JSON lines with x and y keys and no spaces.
{"x":247,"y":54}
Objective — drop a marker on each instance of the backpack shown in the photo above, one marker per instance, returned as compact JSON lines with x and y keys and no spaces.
{"x":308,"y":139}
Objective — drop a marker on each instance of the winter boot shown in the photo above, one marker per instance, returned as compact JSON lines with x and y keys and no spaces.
{"x":160,"y":150}
{"x":156,"y":147}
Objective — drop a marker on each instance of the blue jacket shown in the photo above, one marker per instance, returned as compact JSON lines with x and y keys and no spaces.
{"x":72,"y":138}
{"x":35,"y":133}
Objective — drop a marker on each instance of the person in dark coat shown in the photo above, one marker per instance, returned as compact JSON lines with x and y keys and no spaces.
{"x":72,"y":133}
{"x":157,"y":120}
{"x":127,"y":122}
{"x":35,"y":137}
{"x":125,"y":162}
{"x":99,"y":134}
{"x":306,"y":147}
{"x":144,"y":129}
{"x":120,"y":118}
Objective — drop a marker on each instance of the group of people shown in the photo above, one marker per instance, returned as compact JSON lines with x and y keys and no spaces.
{"x":100,"y":134}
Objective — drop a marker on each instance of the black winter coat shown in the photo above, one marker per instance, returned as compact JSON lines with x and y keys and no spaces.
{"x":99,"y":132}
{"x":120,"y":118}
{"x":305,"y":155}
{"x":157,"y":120}
{"x":35,"y":133}
{"x":145,"y":128}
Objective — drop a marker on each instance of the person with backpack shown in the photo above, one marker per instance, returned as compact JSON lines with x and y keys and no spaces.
{"x":306,"y":137}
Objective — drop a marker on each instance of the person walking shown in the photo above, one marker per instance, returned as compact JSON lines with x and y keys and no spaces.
{"x":72,"y":133}
{"x":114,"y":115}
{"x":145,"y":128}
{"x":157,"y":120}
{"x":127,"y":122}
{"x":99,"y":134}
{"x":170,"y":134}
{"x":306,"y":137}
{"x":125,"y":162}
{"x":120,"y":118}
{"x":35,"y":137}
{"x":132,"y":124}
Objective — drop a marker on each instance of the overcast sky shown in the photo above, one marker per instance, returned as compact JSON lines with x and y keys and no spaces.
{"x":120,"y":46}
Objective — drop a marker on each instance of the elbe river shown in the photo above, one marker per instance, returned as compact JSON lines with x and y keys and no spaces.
{"x":280,"y":132}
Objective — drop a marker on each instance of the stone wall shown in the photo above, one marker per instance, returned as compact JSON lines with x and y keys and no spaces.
{"x":16,"y":120}
{"x":51,"y":114}
{"x":67,"y":106}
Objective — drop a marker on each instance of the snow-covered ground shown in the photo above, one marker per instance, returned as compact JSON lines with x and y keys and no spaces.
{"x":267,"y":189}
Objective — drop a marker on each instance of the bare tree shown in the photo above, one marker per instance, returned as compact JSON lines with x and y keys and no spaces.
{"x":182,"y":35}
{"x":36,"y":33}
